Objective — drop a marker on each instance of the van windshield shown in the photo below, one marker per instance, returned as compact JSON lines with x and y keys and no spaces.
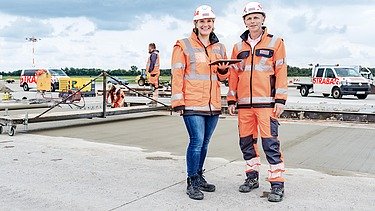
{"x":347,"y":72}
{"x":57,"y":72}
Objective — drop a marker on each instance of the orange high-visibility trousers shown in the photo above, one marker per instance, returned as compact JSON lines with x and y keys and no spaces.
{"x":249,"y":121}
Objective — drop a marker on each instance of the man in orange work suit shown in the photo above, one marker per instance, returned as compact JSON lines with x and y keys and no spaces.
{"x":153,"y":68}
{"x":258,"y":86}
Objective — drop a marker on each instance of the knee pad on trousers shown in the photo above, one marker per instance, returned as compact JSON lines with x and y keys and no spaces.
{"x":271,"y":147}
{"x":247,"y":147}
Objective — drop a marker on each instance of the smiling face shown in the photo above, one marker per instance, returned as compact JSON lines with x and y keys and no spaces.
{"x":254,"y":22}
{"x":205,"y":26}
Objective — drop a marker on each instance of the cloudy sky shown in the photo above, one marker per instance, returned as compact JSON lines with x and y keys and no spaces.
{"x":111,"y":34}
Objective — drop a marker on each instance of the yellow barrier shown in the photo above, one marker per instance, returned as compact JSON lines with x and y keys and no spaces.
{"x":66,"y":84}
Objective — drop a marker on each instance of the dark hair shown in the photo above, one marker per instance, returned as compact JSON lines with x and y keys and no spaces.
{"x":152,"y":45}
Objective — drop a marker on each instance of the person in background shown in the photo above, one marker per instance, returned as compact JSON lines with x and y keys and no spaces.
{"x":196,"y":93}
{"x":116,"y":96}
{"x":258,"y":86}
{"x":153,"y":68}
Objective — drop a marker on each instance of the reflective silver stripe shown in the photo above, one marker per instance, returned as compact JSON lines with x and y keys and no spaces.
{"x":199,"y":50}
{"x":156,"y":65}
{"x":190,"y":51}
{"x":246,"y":100}
{"x":222,"y":52}
{"x":217,"y":51}
{"x":263,"y":67}
{"x":281,"y":91}
{"x":231,"y":93}
{"x":247,"y":67}
{"x":200,"y":77}
{"x":202,"y":108}
{"x":178,"y":66}
{"x":279,"y":62}
{"x":239,"y":46}
{"x":177,"y":97}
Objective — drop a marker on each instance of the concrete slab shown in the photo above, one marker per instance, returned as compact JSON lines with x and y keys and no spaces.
{"x":335,"y":148}
{"x":40,"y":172}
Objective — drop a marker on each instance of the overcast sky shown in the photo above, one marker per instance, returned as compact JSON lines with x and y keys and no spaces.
{"x":112,"y":34}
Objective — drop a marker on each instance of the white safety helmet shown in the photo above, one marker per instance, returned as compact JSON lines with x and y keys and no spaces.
{"x":202,"y":12}
{"x":253,"y":7}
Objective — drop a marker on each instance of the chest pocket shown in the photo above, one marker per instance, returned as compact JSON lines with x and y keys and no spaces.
{"x":268,"y":53}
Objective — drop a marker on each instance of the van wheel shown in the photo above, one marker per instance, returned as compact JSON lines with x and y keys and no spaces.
{"x":141,"y":82}
{"x":362,"y":97}
{"x":53,"y":88}
{"x":304,"y":91}
{"x":25,"y":87}
{"x":336,"y":93}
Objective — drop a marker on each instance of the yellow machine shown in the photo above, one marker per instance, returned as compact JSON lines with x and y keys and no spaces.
{"x":7,"y":96}
{"x":43,"y":82}
{"x":142,"y":79}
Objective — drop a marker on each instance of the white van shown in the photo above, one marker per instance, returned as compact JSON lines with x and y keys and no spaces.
{"x":28,"y":78}
{"x":335,"y":80}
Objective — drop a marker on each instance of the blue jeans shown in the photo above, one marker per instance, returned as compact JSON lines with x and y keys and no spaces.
{"x":200,"y":129}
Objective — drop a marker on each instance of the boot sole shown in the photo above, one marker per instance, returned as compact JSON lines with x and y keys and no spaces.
{"x":252,"y":188}
{"x":196,"y":198}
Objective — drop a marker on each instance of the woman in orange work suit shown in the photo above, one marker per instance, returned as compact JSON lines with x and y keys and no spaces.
{"x":196,"y":93}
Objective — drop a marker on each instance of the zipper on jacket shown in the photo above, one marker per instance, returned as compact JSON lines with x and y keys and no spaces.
{"x":209,"y":101}
{"x":205,"y":50}
{"x":251,"y":70}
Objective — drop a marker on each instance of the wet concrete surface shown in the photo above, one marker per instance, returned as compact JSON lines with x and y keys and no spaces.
{"x":336,"y":148}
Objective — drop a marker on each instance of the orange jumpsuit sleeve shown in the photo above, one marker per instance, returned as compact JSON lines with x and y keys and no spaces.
{"x":281,"y":73}
{"x":178,"y":73}
{"x":224,"y":76}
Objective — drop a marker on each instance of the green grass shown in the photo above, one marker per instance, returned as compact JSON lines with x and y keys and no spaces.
{"x":129,"y":78}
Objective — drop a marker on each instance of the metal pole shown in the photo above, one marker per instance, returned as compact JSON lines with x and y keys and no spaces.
{"x":33,"y":40}
{"x":104,"y":94}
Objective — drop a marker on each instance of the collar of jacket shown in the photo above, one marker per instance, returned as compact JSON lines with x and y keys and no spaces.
{"x":213,"y":38}
{"x":154,"y":51}
{"x":244,"y":36}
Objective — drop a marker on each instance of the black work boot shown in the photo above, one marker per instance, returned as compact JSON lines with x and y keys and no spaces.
{"x":203,"y":184}
{"x":193,"y":188}
{"x":277,"y":194}
{"x":251,"y":182}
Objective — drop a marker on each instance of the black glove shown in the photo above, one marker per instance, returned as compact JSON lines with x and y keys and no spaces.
{"x":222,"y":72}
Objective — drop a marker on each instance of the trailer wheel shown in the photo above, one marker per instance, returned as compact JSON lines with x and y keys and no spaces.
{"x":304,"y":91}
{"x":336,"y":93}
{"x":12,"y":130}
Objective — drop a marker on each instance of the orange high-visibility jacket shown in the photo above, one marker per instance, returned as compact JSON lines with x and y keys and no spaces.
{"x":153,"y":66}
{"x":260,"y":80}
{"x":195,"y":83}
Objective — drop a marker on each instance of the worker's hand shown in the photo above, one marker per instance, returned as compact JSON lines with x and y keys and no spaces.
{"x":222,"y":68}
{"x":181,"y":112}
{"x":232,"y":109}
{"x":278,"y":109}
